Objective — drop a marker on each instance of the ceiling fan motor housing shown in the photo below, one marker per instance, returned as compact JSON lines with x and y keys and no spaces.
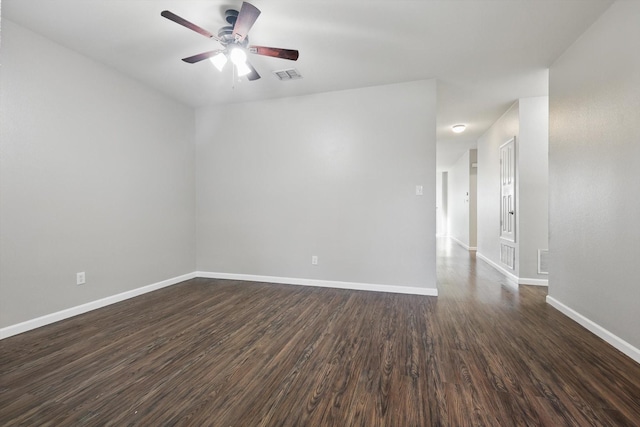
{"x":225,"y":34}
{"x":231,"y":16}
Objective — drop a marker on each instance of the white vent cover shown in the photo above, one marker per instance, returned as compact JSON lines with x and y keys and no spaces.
{"x":543,"y":261}
{"x":508,"y":256}
{"x":290,"y":74}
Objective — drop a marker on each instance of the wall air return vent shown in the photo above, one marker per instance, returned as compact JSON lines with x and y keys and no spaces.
{"x":543,"y":261}
{"x":508,"y":256}
{"x":290,"y":74}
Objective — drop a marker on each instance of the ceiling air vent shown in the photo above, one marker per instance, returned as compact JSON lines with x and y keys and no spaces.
{"x":290,"y":74}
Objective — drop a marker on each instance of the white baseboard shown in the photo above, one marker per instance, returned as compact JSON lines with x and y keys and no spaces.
{"x":84,"y":308}
{"x":461,"y":243}
{"x":512,"y":277}
{"x":517,"y":280}
{"x":596,"y":329}
{"x":321,"y":283}
{"x":533,"y":282}
{"x":28,"y":325}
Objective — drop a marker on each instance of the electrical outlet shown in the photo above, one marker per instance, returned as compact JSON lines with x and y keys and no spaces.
{"x":419,"y":190}
{"x":80,"y":278}
{"x":314,"y":260}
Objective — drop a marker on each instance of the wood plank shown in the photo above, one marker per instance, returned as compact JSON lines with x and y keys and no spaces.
{"x":229,"y":353}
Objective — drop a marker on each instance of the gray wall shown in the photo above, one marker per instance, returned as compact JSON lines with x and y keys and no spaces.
{"x":505,"y":128}
{"x":473,"y":199}
{"x":533,"y":184}
{"x":459,"y":200}
{"x":442,"y":194}
{"x":463,"y":200}
{"x":594,"y":173}
{"x":331,"y":175}
{"x":528,"y":121}
{"x":96,"y":175}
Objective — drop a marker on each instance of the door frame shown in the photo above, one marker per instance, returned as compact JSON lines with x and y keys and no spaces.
{"x":514,"y":195}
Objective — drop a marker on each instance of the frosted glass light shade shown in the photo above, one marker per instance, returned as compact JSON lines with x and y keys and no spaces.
{"x":238,"y":56}
{"x":219,"y":61}
{"x":243,"y":69}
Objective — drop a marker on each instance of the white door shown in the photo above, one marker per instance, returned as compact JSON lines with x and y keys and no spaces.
{"x":508,"y":190}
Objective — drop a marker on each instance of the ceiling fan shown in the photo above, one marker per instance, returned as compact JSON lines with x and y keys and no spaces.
{"x":234,"y":40}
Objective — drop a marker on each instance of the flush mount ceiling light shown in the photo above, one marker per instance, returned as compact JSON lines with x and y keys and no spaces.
{"x":458,"y":128}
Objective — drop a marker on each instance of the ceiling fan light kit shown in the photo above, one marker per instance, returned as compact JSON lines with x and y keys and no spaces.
{"x":234,"y":40}
{"x":242,"y":69}
{"x":219,"y":60}
{"x":238,"y":56}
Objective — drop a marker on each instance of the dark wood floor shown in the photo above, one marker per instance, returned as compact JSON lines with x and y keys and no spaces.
{"x":225,"y":353}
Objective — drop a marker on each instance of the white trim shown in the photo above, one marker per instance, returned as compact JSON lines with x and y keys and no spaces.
{"x":511,"y":276}
{"x":533,"y":282}
{"x":47,"y":319}
{"x":84,"y":308}
{"x":596,"y":329}
{"x":539,"y":258}
{"x":461,"y":243}
{"x":512,"y":279}
{"x":414,"y":290}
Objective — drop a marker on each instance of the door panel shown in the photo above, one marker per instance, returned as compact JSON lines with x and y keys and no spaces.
{"x":508,"y":190}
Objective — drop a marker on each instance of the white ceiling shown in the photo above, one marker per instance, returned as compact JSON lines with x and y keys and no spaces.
{"x":484,"y":53}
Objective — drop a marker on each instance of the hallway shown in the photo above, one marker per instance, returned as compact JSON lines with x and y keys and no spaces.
{"x":519,"y":359}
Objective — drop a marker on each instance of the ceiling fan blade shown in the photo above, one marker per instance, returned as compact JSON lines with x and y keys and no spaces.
{"x":202,"y":56}
{"x":179,"y":20}
{"x":246,"y":18}
{"x":291,"y":54}
{"x":253,"y":75}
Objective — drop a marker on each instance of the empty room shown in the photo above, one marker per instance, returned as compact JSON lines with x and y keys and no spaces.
{"x":286,"y":213}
